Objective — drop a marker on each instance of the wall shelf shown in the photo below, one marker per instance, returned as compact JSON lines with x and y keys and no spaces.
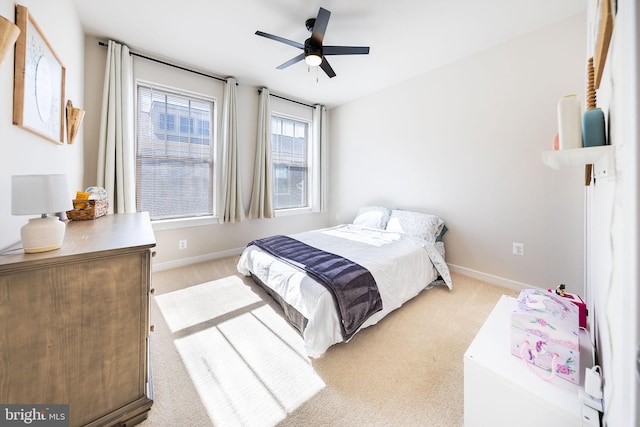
{"x":581,"y":156}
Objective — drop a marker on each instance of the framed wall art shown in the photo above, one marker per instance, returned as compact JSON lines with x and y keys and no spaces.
{"x":38,"y":86}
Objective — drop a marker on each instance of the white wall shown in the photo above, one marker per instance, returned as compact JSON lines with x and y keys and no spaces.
{"x":465,"y":142}
{"x":24,"y":152}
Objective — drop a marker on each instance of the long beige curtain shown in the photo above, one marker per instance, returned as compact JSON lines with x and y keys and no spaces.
{"x":261,"y":205}
{"x":319,"y":178}
{"x":232,"y":208}
{"x":116,"y":145}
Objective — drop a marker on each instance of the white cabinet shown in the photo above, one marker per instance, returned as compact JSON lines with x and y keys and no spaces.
{"x":499,"y":390}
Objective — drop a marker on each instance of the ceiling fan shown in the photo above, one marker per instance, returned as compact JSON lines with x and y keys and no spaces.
{"x":313,"y":51}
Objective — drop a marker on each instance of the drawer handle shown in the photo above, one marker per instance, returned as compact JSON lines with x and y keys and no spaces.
{"x":524,"y":350}
{"x":152,"y":328}
{"x":152,"y":291}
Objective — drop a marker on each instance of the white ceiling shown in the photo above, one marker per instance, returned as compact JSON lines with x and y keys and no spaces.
{"x":407,"y":37}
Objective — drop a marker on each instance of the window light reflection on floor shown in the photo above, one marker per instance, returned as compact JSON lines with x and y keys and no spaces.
{"x":205,"y":302}
{"x":247,"y":363}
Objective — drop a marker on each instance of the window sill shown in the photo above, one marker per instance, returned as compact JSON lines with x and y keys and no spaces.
{"x":171,"y":224}
{"x":294,"y":211}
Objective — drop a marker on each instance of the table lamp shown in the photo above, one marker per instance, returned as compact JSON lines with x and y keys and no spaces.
{"x":40,"y":194}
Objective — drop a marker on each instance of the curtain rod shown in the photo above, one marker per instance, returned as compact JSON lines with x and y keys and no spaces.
{"x":287,"y":99}
{"x":170,"y":64}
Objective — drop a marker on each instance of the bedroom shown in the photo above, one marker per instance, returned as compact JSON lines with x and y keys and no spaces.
{"x":479,"y":168}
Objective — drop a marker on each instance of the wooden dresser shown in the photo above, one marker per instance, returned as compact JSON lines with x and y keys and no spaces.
{"x":74,"y":322}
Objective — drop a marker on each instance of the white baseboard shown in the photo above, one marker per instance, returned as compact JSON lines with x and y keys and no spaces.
{"x":194,"y":260}
{"x":490,"y":278}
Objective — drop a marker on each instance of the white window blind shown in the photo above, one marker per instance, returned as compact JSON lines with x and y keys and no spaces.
{"x":174,"y":154}
{"x":290,"y":158}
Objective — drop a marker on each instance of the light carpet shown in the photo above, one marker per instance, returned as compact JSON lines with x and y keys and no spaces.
{"x":223,"y":355}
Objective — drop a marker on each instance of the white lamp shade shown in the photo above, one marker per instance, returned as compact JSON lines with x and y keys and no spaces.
{"x":39,"y":194}
{"x":313,"y":60}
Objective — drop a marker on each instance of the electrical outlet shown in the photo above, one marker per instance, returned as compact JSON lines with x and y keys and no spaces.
{"x":518,"y":248}
{"x":182,"y":244}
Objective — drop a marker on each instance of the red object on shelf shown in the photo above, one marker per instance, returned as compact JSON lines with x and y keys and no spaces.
{"x":582,"y":307}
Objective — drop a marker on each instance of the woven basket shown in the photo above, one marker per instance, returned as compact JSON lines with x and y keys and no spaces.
{"x":88,"y":209}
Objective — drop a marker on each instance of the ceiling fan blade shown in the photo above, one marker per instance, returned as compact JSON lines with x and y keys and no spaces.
{"x":345,"y":50}
{"x":320,"y":26}
{"x":280,"y":39}
{"x":291,"y":61}
{"x":327,"y":68}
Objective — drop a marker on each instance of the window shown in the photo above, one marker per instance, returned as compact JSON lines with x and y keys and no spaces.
{"x":166,"y":122}
{"x":290,"y":158}
{"x":174,"y":159}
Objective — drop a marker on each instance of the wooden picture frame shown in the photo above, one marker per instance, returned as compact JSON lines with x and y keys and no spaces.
{"x":39,"y":82}
{"x":604,"y":27}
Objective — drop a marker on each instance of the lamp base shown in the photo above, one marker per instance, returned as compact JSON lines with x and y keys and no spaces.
{"x":42,"y":235}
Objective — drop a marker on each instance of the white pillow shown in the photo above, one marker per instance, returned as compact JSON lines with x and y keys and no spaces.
{"x":372,"y":216}
{"x":422,"y":225}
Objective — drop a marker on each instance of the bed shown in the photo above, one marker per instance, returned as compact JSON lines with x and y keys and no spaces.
{"x":401,"y":250}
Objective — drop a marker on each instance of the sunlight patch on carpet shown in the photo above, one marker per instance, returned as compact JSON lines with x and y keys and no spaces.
{"x":196,"y":304}
{"x":250,"y":368}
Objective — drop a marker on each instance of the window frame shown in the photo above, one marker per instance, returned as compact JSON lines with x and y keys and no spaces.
{"x":190,"y":221}
{"x":312,"y":187}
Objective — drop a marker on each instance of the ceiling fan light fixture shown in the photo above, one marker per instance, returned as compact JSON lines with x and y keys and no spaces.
{"x":313,"y":60}
{"x":312,"y":53}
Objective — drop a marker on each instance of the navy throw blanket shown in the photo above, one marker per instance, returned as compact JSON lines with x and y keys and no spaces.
{"x":353,"y":287}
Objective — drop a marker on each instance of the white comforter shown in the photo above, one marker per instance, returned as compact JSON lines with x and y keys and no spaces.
{"x":401,"y":265}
